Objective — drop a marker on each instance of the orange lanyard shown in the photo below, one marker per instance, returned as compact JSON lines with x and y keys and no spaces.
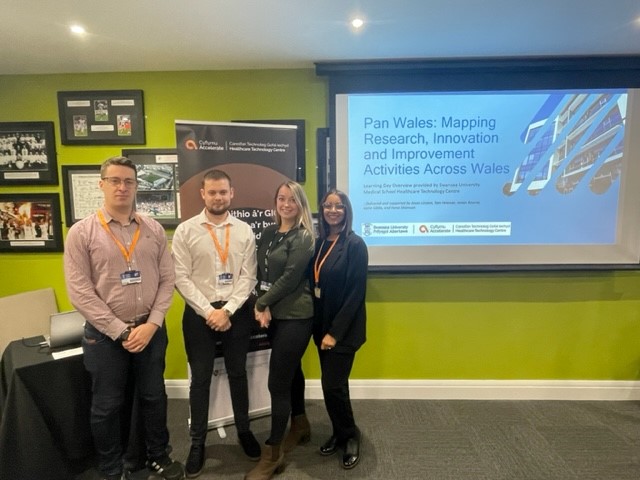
{"x":125,"y":253}
{"x":224,"y":254}
{"x":317,"y":267}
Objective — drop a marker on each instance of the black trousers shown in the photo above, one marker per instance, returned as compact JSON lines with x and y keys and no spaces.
{"x":200,"y":344}
{"x":336,"y":368}
{"x":289,"y":340}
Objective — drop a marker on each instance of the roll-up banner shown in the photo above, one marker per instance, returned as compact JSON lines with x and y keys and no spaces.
{"x":258,"y":158}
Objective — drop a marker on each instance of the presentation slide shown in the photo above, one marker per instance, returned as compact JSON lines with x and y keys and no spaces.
{"x":537,"y":177}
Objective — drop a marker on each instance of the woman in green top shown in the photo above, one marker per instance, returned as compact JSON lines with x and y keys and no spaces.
{"x":285,"y":307}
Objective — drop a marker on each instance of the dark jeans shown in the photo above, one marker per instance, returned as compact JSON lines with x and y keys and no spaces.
{"x":200,"y":344}
{"x":110,"y":366}
{"x":336,"y":368}
{"x":289,"y":340}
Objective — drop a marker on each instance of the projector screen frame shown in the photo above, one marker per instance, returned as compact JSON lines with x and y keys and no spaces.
{"x":473,"y":75}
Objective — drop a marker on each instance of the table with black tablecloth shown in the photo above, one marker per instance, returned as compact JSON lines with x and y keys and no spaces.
{"x":44,"y":413}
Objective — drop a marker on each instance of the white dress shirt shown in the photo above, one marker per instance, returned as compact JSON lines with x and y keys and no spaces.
{"x":199,"y":266}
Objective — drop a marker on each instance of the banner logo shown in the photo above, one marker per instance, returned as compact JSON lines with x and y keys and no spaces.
{"x":191,"y":145}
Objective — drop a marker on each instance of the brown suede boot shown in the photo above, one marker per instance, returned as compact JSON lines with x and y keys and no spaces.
{"x":299,"y":434}
{"x":271,"y":462}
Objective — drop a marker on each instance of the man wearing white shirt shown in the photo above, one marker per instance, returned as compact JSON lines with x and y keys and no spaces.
{"x":215,"y":261}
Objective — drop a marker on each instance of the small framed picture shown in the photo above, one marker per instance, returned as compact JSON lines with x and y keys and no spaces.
{"x":30,"y":222}
{"x":158,"y":187}
{"x":28,"y":154}
{"x":101,"y":117}
{"x":82,"y":196}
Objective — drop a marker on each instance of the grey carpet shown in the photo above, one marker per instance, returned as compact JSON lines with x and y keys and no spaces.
{"x":448,"y":440}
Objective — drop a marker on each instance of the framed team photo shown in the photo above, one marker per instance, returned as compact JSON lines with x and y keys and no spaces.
{"x":28,"y":154}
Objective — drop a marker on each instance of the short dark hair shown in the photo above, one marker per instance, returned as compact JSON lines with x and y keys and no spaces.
{"x":122,"y":161}
{"x":215,"y":174}
{"x":348,"y":214}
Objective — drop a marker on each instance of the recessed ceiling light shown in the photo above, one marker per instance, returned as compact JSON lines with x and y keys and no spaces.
{"x":77,"y":29}
{"x":357,"y":23}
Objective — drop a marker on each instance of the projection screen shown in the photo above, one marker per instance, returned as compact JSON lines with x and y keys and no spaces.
{"x":500,"y":178}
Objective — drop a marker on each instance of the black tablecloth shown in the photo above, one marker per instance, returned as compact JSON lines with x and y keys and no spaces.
{"x":44,"y":413}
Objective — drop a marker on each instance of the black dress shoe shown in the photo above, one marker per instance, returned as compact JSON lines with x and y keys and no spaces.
{"x":329,"y":447}
{"x":351,"y":455}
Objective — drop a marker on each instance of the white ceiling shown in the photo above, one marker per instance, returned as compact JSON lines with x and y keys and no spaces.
{"x":164,"y":35}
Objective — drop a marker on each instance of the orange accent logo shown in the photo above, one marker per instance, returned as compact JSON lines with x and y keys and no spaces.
{"x":423,"y":229}
{"x":191,"y":145}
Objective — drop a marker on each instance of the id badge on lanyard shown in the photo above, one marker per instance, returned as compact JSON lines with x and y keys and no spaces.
{"x":130,"y":277}
{"x":225,"y":278}
{"x":317,"y":266}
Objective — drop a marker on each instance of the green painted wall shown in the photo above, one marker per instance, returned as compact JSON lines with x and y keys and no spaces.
{"x":555,"y":325}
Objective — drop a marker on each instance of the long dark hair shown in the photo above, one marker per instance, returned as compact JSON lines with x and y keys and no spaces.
{"x":348,"y":214}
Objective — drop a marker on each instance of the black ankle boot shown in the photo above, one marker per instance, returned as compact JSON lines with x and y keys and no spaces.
{"x":195,"y":460}
{"x":329,"y":447}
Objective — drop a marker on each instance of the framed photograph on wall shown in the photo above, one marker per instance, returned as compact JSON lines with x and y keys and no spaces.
{"x":28,"y":153}
{"x":157,"y":194}
{"x":81,"y":193}
{"x":300,"y":143}
{"x":158,"y":187}
{"x":101,"y":117}
{"x":30,"y":222}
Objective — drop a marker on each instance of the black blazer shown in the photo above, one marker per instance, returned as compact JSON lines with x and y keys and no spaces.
{"x":341,"y":311}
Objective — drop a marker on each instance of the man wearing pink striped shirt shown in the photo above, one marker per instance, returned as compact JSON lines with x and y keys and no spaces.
{"x":120,"y":276}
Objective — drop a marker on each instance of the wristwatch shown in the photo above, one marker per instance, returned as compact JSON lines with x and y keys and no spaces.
{"x":124,"y":336}
{"x":227,"y":312}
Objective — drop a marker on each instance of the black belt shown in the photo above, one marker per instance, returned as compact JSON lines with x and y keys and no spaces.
{"x":218,"y":305}
{"x":139,"y":320}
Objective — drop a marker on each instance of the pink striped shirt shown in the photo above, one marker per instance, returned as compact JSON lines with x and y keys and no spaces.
{"x":93,"y":264}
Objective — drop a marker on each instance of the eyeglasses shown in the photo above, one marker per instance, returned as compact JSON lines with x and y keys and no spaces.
{"x":116,"y":182}
{"x":333,"y":206}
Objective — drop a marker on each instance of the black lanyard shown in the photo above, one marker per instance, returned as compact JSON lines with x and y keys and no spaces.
{"x":268,"y":252}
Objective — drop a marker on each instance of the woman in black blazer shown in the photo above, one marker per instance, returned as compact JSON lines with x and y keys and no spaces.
{"x":339,"y":280}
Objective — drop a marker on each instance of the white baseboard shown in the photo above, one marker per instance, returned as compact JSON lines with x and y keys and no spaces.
{"x":466,"y":389}
{"x":177,"y":388}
